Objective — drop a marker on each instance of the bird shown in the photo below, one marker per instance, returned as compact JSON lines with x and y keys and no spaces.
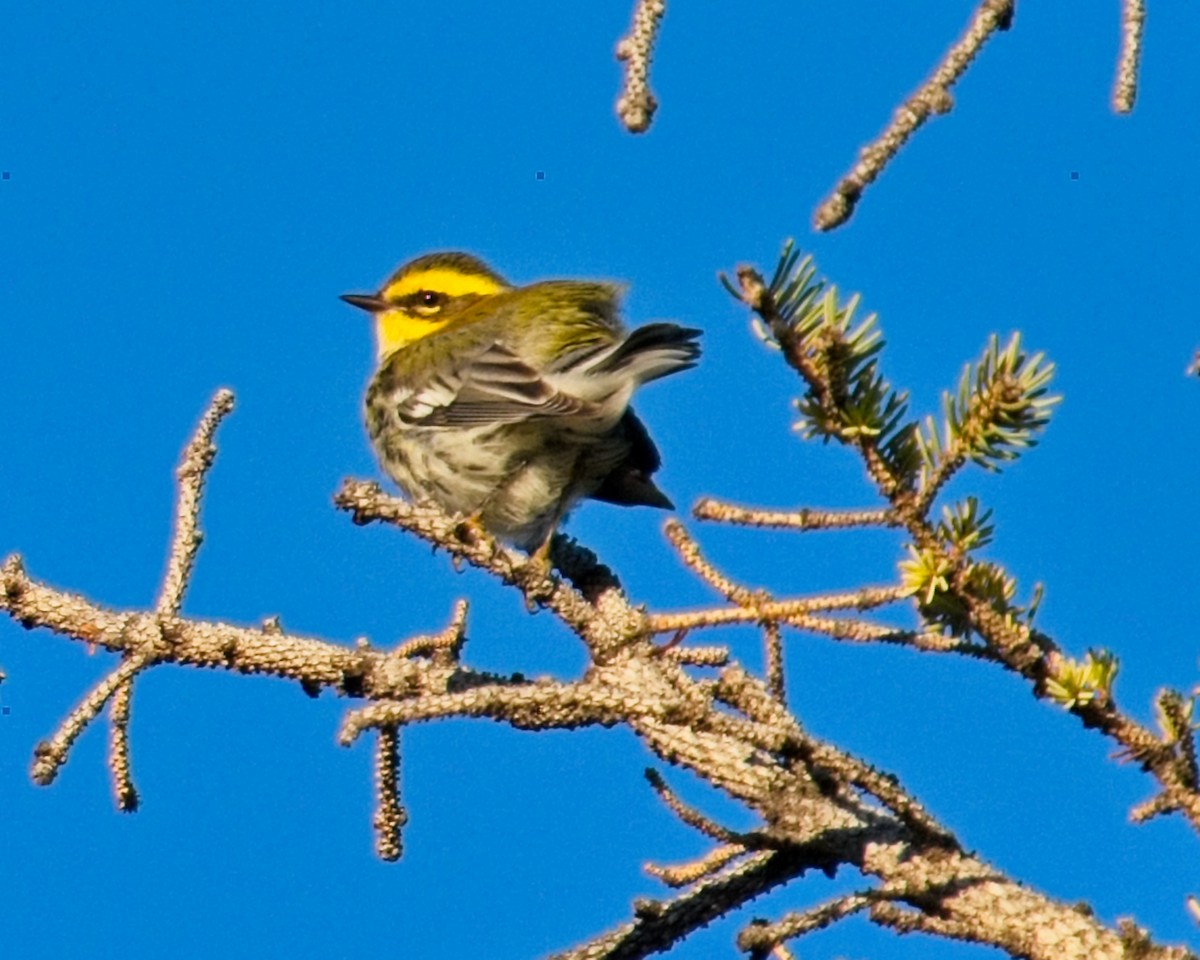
{"x":507,"y":405}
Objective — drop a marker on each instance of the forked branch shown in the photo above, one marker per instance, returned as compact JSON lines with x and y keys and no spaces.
{"x":1000,"y":407}
{"x":817,"y":807}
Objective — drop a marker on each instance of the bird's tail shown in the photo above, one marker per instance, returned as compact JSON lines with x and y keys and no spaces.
{"x":653,"y":351}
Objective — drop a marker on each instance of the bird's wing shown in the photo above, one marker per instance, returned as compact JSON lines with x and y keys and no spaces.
{"x":494,"y":386}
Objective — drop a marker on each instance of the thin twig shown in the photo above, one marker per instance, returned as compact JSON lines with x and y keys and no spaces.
{"x":695,"y":656}
{"x":689,"y":552}
{"x":763,"y":936}
{"x":951,"y":460}
{"x":1157,"y":806}
{"x":686,"y":874}
{"x":658,"y":925}
{"x":773,"y":655}
{"x":803,"y":519}
{"x":688,"y":814}
{"x":1133,"y":20}
{"x":796,"y":611}
{"x":884,"y":787}
{"x":124,"y":791}
{"x":197,"y":459}
{"x":50,"y":755}
{"x":390,"y":815}
{"x":636,"y":105}
{"x":443,"y":647}
{"x":535,"y":704}
{"x":749,"y":695}
{"x":932,"y":98}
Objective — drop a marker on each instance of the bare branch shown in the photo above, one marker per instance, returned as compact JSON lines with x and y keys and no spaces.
{"x":124,"y":791}
{"x":768,"y":936}
{"x":803,"y":519}
{"x":884,"y":787}
{"x":50,"y":755}
{"x":1157,"y":806}
{"x":1133,"y":19}
{"x":270,"y":650}
{"x":690,"y":815}
{"x":689,"y":552}
{"x":636,"y":105}
{"x":753,"y":601}
{"x":198,"y":457}
{"x":695,"y":656}
{"x":773,"y":655}
{"x":535,"y":704}
{"x":657,"y":925}
{"x":593,"y":609}
{"x":687,"y":874}
{"x":819,"y":808}
{"x":443,"y":647}
{"x":932,"y":98}
{"x":1008,"y":637}
{"x":795,"y":611}
{"x":749,"y":695}
{"x":390,"y":815}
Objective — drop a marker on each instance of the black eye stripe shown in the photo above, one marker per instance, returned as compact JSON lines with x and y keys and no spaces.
{"x":423,"y":299}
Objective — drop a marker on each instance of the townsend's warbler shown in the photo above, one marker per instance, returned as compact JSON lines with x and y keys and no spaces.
{"x":507,"y":405}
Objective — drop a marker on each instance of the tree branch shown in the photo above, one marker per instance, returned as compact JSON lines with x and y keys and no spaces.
{"x":1133,"y":19}
{"x":819,"y":807}
{"x":966,"y":590}
{"x":932,"y":98}
{"x":636,"y":105}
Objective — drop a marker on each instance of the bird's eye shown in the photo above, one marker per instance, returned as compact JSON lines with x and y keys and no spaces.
{"x":424,"y":303}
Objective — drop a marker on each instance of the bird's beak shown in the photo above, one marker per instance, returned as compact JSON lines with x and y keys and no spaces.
{"x":370,"y":302}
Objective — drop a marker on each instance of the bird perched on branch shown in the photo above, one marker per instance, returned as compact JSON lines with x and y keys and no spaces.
{"x":508,"y":405}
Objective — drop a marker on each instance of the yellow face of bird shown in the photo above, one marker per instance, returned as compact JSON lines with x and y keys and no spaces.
{"x":424,"y":295}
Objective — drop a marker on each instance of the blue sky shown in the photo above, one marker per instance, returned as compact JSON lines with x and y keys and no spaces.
{"x":190,"y":188}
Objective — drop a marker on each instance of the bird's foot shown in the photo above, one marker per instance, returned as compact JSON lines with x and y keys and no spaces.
{"x":470,"y":528}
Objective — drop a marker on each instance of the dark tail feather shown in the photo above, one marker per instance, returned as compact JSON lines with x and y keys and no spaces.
{"x":654,"y":351}
{"x":629,"y":483}
{"x":628,"y":487}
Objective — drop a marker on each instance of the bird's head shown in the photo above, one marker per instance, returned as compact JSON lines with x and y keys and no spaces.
{"x":425,"y":294}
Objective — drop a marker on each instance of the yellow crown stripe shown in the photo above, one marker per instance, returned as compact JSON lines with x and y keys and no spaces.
{"x":454,"y":283}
